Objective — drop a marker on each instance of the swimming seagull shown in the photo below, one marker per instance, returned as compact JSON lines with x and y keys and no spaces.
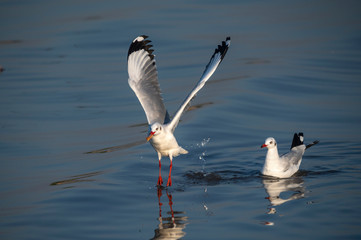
{"x":289,"y":163}
{"x":143,"y":79}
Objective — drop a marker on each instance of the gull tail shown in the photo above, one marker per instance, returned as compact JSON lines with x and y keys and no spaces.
{"x":182,"y":150}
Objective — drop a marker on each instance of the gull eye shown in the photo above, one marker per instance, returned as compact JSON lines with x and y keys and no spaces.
{"x":271,"y":142}
{"x":156,"y":129}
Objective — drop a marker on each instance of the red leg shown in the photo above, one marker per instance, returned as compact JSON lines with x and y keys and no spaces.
{"x":171,"y":205}
{"x":159,"y":193}
{"x":169,"y":183}
{"x":160,"y":180}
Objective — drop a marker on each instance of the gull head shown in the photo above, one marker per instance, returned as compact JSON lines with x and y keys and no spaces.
{"x":269,"y":143}
{"x":154,"y":129}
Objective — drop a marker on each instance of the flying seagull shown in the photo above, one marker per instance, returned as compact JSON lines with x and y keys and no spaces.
{"x":143,"y":79}
{"x":288,"y":164}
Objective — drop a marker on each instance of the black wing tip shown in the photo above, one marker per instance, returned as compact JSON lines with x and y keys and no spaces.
{"x":311,"y":144}
{"x":222,"y":49}
{"x":297,"y":140}
{"x":140,"y":43}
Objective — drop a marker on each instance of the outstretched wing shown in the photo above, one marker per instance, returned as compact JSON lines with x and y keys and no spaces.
{"x":143,"y":79}
{"x":216,"y":59}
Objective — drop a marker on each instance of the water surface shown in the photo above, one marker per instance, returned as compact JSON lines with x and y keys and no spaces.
{"x":74,"y":162}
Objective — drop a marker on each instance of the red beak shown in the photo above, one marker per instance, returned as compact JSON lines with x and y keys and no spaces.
{"x":263,"y":145}
{"x":151,"y":134}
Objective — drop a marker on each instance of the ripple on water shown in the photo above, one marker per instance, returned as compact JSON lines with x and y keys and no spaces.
{"x":220,"y":177}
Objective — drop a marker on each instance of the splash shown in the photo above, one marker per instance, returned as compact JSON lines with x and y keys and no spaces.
{"x":205,"y":141}
{"x":201,"y":157}
{"x":203,"y":154}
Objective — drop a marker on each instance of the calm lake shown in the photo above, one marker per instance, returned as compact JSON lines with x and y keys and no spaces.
{"x":73,"y":157}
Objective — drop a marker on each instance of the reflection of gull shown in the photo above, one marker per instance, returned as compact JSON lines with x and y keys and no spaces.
{"x":288,"y":164}
{"x":275,"y":187}
{"x":143,"y":79}
{"x":170,"y":227}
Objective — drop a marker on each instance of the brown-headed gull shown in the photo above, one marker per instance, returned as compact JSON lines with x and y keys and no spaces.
{"x":288,"y":164}
{"x":143,"y":79}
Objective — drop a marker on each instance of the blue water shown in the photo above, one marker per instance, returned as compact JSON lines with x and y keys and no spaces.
{"x":74,"y":162}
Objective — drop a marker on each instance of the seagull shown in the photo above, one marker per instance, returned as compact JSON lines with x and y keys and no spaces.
{"x":143,"y":80}
{"x":288,"y":164}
